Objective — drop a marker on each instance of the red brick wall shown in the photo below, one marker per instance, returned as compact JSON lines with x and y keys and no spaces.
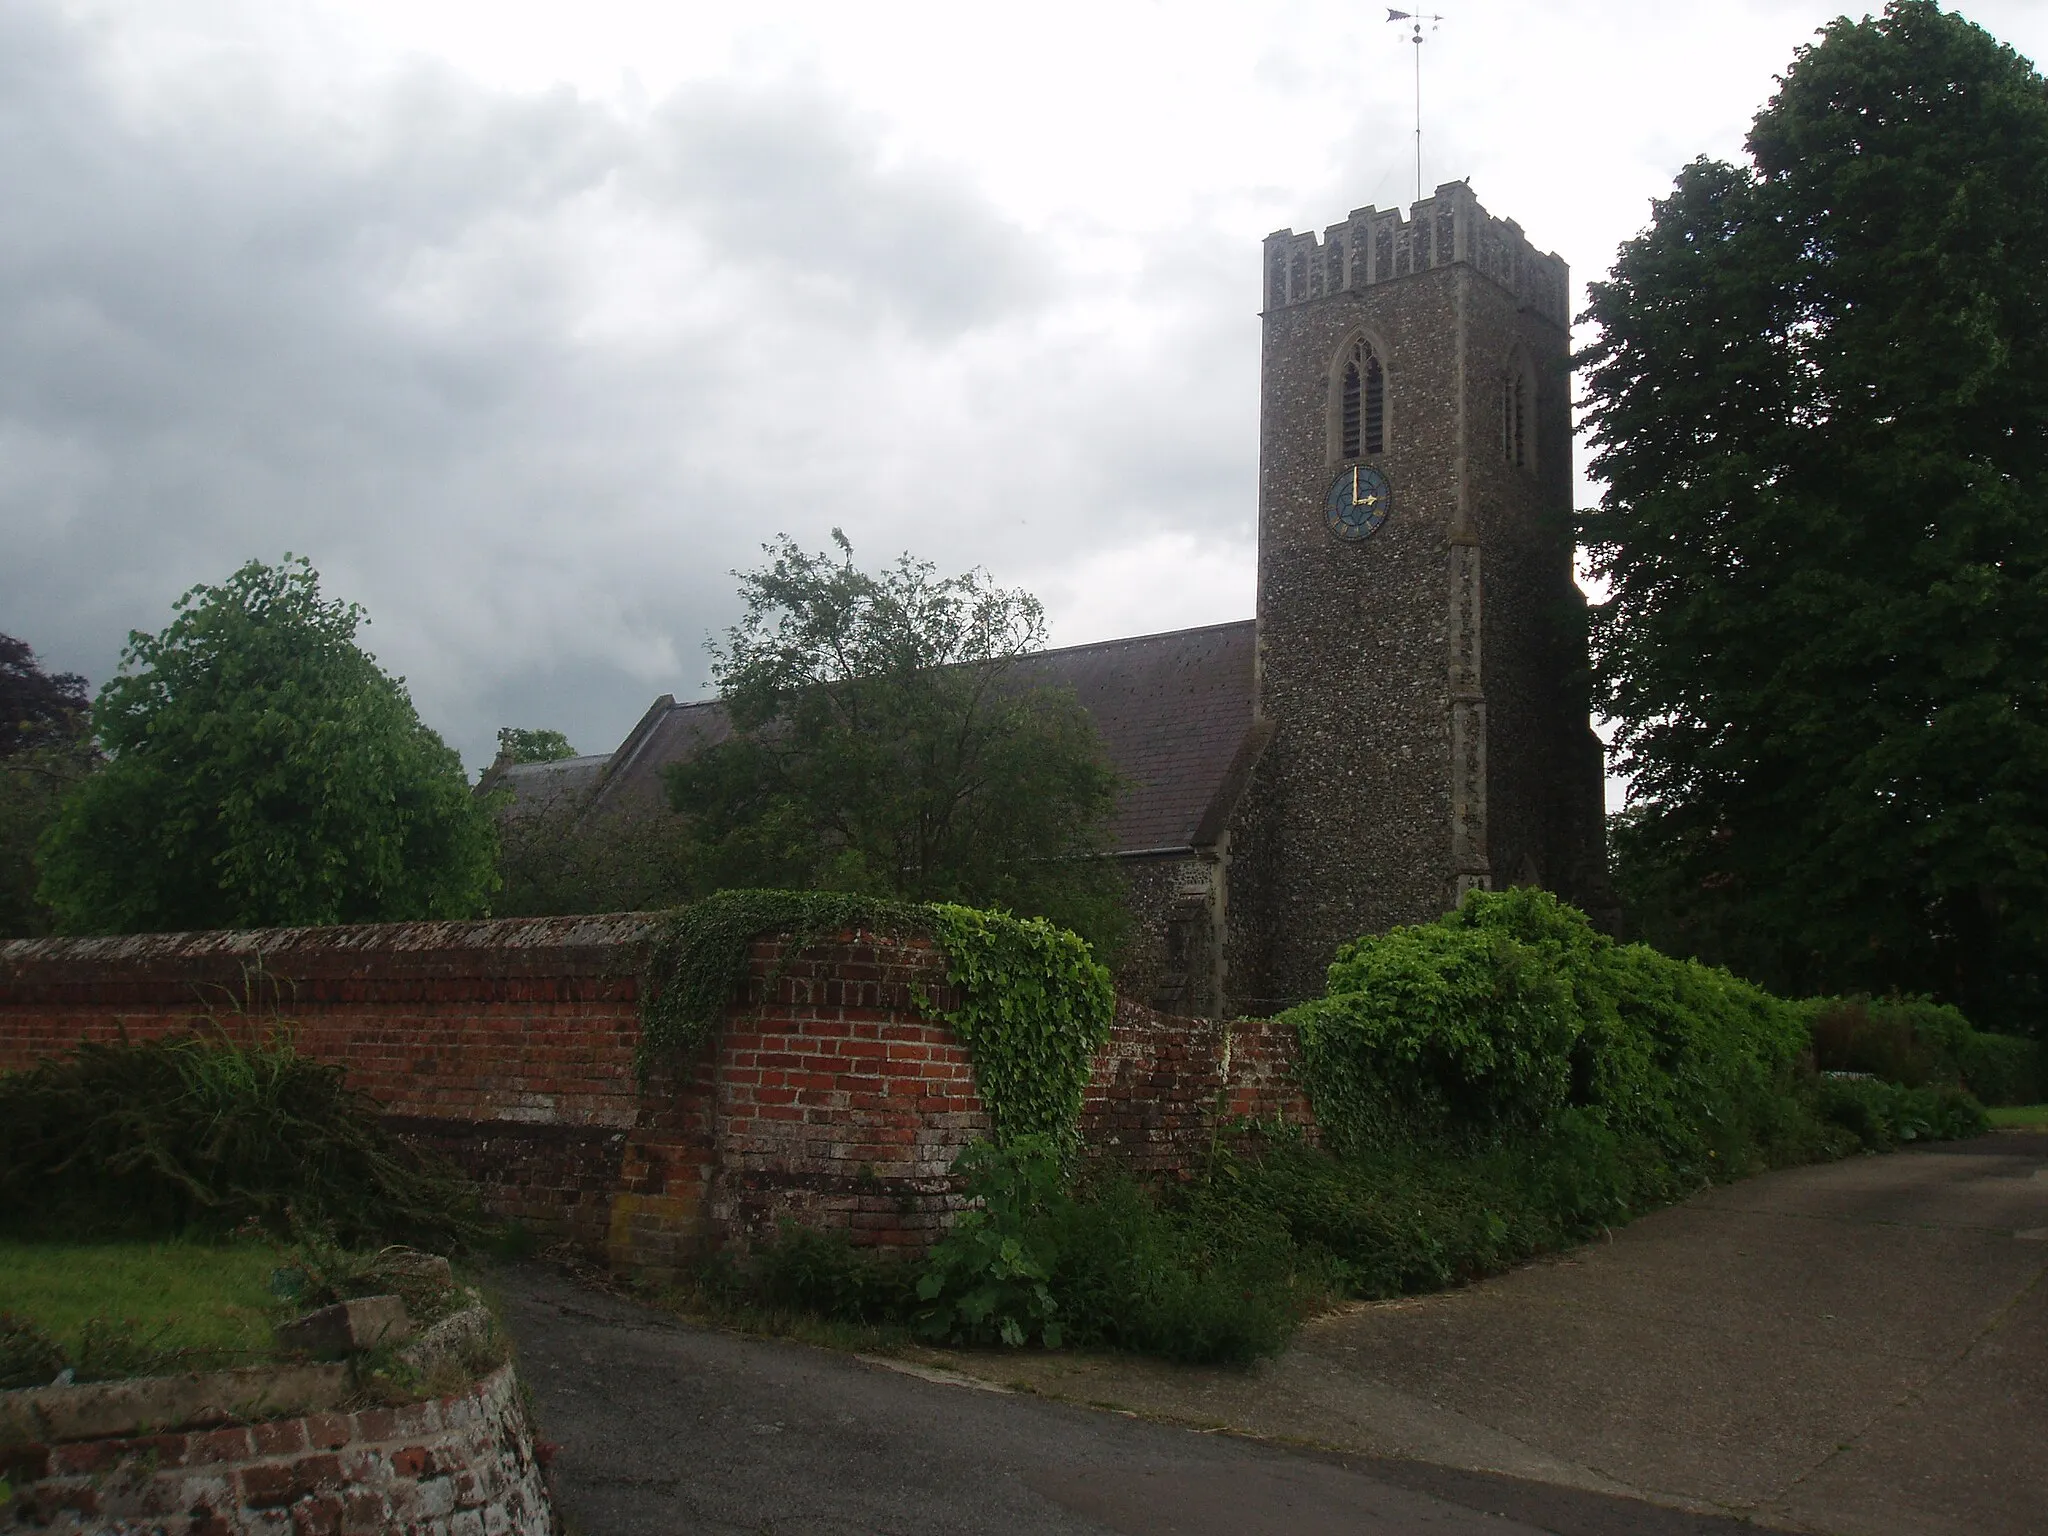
{"x":832,"y":1097}
{"x":839,"y":1103}
{"x":1163,"y":1085}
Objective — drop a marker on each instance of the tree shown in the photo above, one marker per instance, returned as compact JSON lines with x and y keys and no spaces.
{"x":37,"y":708}
{"x":1819,"y":399}
{"x":885,"y":741}
{"x":45,"y":749}
{"x":264,"y":770}
{"x":522,"y":746}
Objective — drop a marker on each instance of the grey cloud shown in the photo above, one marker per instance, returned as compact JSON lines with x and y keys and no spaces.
{"x":803,"y":189}
{"x":374,"y":333}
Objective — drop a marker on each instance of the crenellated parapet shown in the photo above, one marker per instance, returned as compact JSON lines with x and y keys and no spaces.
{"x":1378,"y":245}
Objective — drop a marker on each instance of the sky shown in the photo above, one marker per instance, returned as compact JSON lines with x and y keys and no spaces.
{"x":530,"y":323}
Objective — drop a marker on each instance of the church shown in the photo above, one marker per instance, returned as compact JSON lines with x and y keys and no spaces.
{"x":1404,"y":719}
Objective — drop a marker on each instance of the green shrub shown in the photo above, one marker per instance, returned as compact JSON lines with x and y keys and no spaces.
{"x":1431,"y":1030}
{"x":806,"y":1270}
{"x":197,"y":1135}
{"x":1043,"y":1259}
{"x":1181,"y":1274}
{"x":1917,"y":1043}
{"x":2004,"y":1069}
{"x":989,"y":1279}
{"x":1494,"y":1022}
{"x":1883,"y":1115}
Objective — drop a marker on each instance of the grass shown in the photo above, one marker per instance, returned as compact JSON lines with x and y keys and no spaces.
{"x":2019,"y":1117}
{"x":134,"y":1305}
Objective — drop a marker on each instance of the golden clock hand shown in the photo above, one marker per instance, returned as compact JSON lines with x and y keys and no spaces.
{"x":1354,"y":487}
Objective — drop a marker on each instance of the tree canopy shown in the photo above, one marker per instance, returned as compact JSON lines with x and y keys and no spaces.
{"x":36,"y":707}
{"x":1819,"y":401}
{"x":264,"y":770}
{"x":885,"y":741}
{"x":45,"y":749}
{"x":516,"y":745}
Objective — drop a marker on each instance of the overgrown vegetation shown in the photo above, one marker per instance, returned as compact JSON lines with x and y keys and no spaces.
{"x":1034,"y":1010}
{"x":1498,"y":1084}
{"x":196,"y":1135}
{"x":1052,"y":1259}
{"x":1917,"y":1043}
{"x":1034,"y":1006}
{"x":1489,"y":1025}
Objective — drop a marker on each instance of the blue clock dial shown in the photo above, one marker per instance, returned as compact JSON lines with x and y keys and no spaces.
{"x":1359,"y":502}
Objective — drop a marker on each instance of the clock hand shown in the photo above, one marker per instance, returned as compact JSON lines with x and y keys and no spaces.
{"x":1354,"y":487}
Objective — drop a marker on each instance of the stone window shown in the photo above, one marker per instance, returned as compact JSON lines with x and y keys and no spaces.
{"x":1361,"y":402}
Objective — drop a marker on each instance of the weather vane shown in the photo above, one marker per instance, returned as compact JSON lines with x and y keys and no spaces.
{"x":1434,"y":21}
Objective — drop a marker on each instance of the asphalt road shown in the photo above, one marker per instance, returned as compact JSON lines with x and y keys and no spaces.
{"x":666,"y":1428}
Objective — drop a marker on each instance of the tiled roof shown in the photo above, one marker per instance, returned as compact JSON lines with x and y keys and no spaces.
{"x":1174,"y":712}
{"x":539,"y":787}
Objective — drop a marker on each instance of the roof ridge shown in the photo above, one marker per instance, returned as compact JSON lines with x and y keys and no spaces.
{"x":1051,"y":650}
{"x":1162,"y":634}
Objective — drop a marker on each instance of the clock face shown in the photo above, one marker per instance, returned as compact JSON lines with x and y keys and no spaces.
{"x":1360,"y":500}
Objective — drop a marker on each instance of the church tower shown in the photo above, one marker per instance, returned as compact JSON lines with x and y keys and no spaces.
{"x":1420,"y":673}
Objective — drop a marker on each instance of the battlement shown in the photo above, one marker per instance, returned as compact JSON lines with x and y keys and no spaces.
{"x":1377,"y":246}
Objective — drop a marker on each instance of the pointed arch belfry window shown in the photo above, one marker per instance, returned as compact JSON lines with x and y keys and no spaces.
{"x":1361,"y":402}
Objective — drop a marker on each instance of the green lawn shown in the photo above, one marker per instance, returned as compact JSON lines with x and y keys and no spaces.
{"x":118,"y":1307}
{"x":2027,"y":1116}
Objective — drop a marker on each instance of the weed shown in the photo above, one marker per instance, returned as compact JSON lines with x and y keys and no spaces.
{"x":200,"y":1135}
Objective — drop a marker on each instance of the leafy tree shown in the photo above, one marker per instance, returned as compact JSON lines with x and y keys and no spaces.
{"x":556,"y":858}
{"x":36,"y":707}
{"x":45,"y":749}
{"x":522,"y":746}
{"x":264,"y":770}
{"x":883,"y":741}
{"x":1819,"y":398}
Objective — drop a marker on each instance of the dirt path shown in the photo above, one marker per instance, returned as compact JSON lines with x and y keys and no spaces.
{"x":1859,"y":1348}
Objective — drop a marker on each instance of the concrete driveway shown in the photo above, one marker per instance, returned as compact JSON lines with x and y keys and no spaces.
{"x":1859,"y":1349}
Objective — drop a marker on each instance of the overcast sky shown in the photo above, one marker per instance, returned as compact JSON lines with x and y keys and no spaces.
{"x":529,"y":322}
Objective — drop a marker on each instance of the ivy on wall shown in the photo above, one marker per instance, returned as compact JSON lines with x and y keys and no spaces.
{"x":1034,"y":1009}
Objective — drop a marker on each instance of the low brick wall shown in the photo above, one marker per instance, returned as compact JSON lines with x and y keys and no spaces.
{"x":1164,"y":1085}
{"x":831,"y":1097}
{"x":462,"y":1465}
{"x":507,"y":1044}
